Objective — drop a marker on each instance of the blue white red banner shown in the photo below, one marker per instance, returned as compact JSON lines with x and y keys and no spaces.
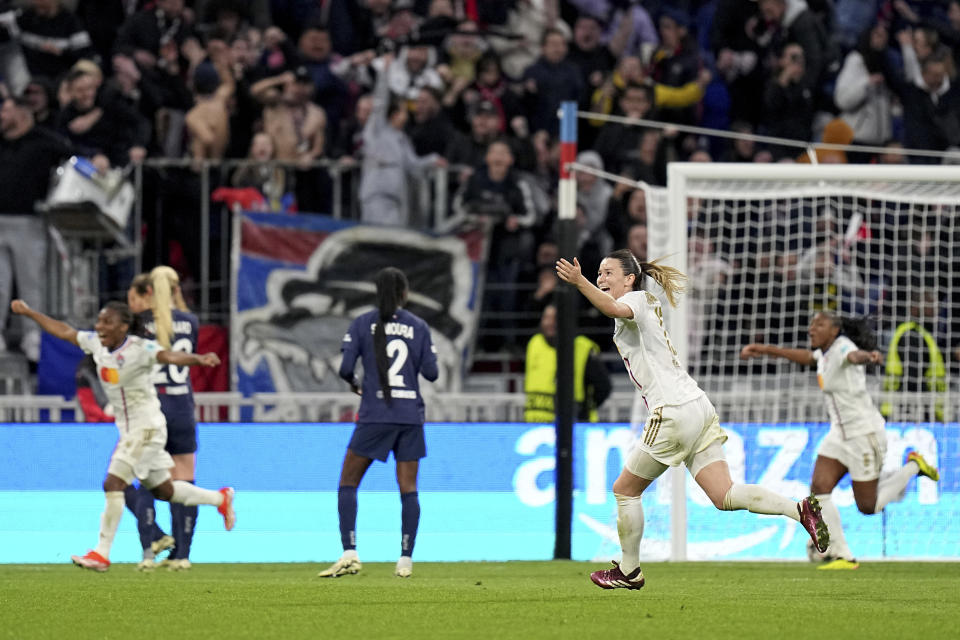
{"x":301,"y":280}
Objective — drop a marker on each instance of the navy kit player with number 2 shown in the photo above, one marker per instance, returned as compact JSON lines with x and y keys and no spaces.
{"x":395,"y":348}
{"x":157,"y":299}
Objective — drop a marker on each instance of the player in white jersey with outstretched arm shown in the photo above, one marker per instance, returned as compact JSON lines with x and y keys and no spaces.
{"x":857,"y":441}
{"x":682,"y":425}
{"x":125,"y":366}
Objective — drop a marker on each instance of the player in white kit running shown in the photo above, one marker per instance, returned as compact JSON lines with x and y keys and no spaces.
{"x":857,"y":441}
{"x":125,"y":366}
{"x":682,"y":426}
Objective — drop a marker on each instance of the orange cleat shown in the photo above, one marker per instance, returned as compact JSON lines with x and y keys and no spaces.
{"x":226,"y":508}
{"x":92,"y":560}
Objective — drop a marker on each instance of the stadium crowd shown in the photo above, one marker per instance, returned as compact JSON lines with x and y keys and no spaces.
{"x":386,"y":89}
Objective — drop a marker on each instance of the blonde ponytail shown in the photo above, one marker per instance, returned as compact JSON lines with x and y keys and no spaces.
{"x":670,"y":279}
{"x":163,"y":284}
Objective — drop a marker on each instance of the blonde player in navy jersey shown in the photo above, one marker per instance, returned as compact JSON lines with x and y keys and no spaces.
{"x":395,"y":348}
{"x":156,"y":298}
{"x":857,"y":441}
{"x":682,"y":426}
{"x":125,"y":365}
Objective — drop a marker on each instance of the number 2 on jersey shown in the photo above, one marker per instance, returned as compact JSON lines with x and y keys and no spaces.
{"x":396,"y":349}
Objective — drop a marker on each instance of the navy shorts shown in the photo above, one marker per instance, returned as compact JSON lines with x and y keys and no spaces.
{"x":181,"y":423}
{"x":181,"y":435}
{"x":376,"y":440}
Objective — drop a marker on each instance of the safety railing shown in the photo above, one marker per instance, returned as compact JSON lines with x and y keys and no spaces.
{"x":621,"y":407}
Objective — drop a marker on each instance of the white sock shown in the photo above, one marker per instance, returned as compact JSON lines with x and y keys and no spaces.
{"x":831,"y":516}
{"x":189,"y":494}
{"x":630,"y":530}
{"x":756,"y":499}
{"x":890,"y":489}
{"x":109,"y":521}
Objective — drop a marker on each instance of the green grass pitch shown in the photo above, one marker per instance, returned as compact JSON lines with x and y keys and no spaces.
{"x":482,"y":600}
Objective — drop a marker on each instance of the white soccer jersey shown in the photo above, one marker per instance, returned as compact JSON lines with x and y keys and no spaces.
{"x":126,"y":375}
{"x":648,"y":354}
{"x":844,"y":387}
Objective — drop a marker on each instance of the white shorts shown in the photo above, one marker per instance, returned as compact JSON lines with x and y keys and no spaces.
{"x":675,"y":434}
{"x":140,"y":452}
{"x":861,"y":455}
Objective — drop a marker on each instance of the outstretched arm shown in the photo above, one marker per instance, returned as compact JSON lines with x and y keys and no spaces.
{"x":183,"y":359}
{"x":54,"y":327}
{"x":865,"y":357}
{"x":603,"y":301}
{"x":800,"y":356}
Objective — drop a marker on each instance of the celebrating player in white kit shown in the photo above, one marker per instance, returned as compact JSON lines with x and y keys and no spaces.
{"x":125,"y":366}
{"x":682,"y":426}
{"x":857,"y":441}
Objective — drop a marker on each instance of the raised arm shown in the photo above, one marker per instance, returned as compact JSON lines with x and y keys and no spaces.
{"x":54,"y":327}
{"x":865,"y":357}
{"x":604,"y":302}
{"x":183,"y":359}
{"x":800,"y":356}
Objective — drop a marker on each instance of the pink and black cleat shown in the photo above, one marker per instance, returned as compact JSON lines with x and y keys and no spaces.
{"x":615,"y":579}
{"x":812,"y":521}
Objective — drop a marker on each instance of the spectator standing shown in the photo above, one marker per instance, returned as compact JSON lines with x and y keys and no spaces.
{"x":788,"y":101}
{"x":27,"y":155}
{"x":99,"y":126}
{"x":549,"y":81}
{"x":496,"y":193}
{"x":430,"y":129}
{"x":861,"y":92}
{"x":388,"y":159}
{"x":52,"y":38}
{"x":298,"y":129}
{"x":931,"y":106}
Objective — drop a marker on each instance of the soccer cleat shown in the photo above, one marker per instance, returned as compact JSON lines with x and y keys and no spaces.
{"x":147,"y":564}
{"x":615,"y":578}
{"x":165,"y":543}
{"x":812,"y":521}
{"x":179,"y":564}
{"x":839,"y":564}
{"x":226,"y":508}
{"x":926,"y":469}
{"x":404,"y":567}
{"x":348,"y":563}
{"x":92,"y":560}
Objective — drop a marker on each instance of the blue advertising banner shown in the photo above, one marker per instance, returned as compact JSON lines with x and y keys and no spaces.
{"x":303,"y":278}
{"x":486,"y":491}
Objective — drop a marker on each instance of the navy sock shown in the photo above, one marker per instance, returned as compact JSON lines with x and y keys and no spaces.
{"x":347,"y":507}
{"x":140,"y":501}
{"x":410,"y":520}
{"x":184,"y":520}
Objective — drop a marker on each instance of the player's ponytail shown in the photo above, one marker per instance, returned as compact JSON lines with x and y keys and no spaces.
{"x":391,"y":294}
{"x":857,"y":329}
{"x":671,"y":280}
{"x":163,"y":279}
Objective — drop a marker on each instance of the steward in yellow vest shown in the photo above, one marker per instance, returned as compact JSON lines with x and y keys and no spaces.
{"x":934,"y":376}
{"x":591,"y":382}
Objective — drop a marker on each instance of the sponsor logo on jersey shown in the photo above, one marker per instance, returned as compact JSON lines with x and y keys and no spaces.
{"x":109,"y":374}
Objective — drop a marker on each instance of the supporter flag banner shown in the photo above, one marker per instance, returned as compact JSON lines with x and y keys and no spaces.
{"x":301,"y":280}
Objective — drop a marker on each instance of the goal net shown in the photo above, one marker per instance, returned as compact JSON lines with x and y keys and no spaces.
{"x":766,"y":247}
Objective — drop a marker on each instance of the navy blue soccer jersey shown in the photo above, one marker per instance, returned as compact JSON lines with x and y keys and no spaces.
{"x":411,"y":354}
{"x":173,"y":382}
